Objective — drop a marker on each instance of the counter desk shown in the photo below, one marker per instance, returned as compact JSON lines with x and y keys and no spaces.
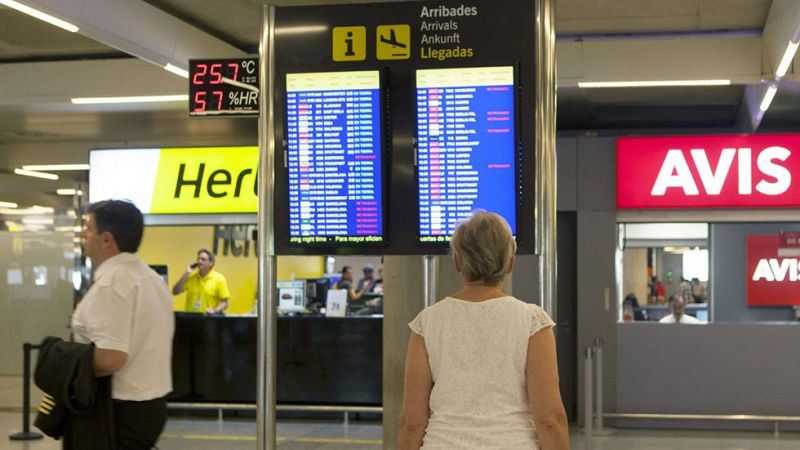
{"x":321,"y":360}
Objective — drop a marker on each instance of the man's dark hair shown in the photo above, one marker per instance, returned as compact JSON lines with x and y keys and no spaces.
{"x":346,"y":268}
{"x":122,"y":219}
{"x":208,"y":253}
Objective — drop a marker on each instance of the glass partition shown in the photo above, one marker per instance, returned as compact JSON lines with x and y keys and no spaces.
{"x":664,"y":272}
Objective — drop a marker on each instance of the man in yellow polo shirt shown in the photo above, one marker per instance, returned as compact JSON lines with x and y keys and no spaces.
{"x":206,"y":289}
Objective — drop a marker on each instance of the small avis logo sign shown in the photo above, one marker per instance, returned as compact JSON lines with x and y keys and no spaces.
{"x":732,"y":171}
{"x":773,"y":271}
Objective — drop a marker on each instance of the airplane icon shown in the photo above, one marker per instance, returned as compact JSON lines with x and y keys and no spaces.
{"x":392,"y":40}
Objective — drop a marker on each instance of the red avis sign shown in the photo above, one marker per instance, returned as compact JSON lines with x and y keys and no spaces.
{"x":773,"y":277}
{"x":729,"y":171}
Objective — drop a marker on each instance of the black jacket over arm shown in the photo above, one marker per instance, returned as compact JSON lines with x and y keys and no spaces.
{"x":77,"y":405}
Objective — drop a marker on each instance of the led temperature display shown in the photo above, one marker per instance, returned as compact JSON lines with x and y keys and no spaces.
{"x":466,"y":147}
{"x":334,"y":158}
{"x":223,"y":87}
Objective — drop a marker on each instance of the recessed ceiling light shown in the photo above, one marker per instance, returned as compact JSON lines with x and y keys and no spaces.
{"x":68,"y":192}
{"x":55,"y":167}
{"x":8,"y":205}
{"x":651,"y":83}
{"x":788,"y":56}
{"x":132,"y":99}
{"x":177,"y":70}
{"x":26,"y":211}
{"x":768,"y":96}
{"x":37,"y":221}
{"x":40,"y":15}
{"x":33,"y":173}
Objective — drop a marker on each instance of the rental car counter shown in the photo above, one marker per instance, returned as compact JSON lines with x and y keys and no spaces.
{"x":205,"y":198}
{"x":747,"y":343}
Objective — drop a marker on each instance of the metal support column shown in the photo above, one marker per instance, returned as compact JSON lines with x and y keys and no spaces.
{"x":545,"y":134}
{"x":266,"y":437}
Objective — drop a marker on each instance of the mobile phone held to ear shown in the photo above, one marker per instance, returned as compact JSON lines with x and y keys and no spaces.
{"x":193,"y":266}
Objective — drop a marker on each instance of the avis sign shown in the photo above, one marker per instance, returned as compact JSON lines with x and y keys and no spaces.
{"x":729,"y":171}
{"x":772,"y":279}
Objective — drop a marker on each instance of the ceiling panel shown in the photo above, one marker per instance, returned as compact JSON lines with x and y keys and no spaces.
{"x":23,"y":38}
{"x":658,"y":16}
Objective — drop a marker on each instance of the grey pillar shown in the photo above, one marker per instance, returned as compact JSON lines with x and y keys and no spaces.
{"x":403,"y":300}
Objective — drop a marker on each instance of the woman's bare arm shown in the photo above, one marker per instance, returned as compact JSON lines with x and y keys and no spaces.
{"x":544,"y":397}
{"x":416,"y":395}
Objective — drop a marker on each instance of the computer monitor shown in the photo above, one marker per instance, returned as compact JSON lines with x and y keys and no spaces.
{"x":317,"y":291}
{"x":161,"y":270}
{"x":702,"y":315}
{"x":291,"y":295}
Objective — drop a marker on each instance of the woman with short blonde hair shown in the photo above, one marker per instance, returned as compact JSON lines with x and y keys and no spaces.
{"x":481,"y":365}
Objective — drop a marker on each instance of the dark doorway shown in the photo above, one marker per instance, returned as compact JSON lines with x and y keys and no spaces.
{"x":567,"y":310}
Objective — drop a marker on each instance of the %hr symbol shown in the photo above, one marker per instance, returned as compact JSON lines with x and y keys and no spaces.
{"x":243,"y":98}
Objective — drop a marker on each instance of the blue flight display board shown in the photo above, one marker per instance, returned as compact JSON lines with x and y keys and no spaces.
{"x":334,"y":158}
{"x":466,"y":147}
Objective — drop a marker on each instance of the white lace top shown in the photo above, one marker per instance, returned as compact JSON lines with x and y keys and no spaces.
{"x":477,"y":353}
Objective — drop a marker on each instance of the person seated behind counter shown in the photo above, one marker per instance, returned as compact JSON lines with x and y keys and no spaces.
{"x":346,"y":283}
{"x":677,"y":306}
{"x":206,"y":289}
{"x":368,"y":282}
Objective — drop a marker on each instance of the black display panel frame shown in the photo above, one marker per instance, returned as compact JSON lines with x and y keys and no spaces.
{"x":516,"y":149}
{"x":488,"y":33}
{"x":382,"y":168}
{"x":237,"y":97}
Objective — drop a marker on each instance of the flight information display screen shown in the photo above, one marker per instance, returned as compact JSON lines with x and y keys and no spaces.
{"x":466,"y":147}
{"x":334,"y":158}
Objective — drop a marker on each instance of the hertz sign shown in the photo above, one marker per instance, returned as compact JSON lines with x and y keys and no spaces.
{"x":204,"y":180}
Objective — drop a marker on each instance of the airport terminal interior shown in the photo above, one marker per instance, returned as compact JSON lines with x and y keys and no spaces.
{"x":667,"y":134}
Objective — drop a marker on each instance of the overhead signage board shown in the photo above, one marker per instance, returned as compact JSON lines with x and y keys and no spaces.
{"x":223,"y":87}
{"x":407,"y":42}
{"x":466,"y":147}
{"x":335,"y":160}
{"x":773,"y":278}
{"x":727,"y":171}
{"x":204,"y":180}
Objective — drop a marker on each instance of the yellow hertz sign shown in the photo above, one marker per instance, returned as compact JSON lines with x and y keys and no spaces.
{"x":206,"y":180}
{"x":178,"y":180}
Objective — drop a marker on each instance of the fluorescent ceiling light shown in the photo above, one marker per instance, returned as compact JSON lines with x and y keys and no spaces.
{"x":768,"y":96}
{"x":68,"y":192}
{"x":40,"y":15}
{"x":37,"y":221}
{"x":302,"y":29}
{"x":33,"y":173}
{"x":56,"y":167}
{"x":8,"y":205}
{"x":177,"y":70}
{"x":652,"y":83}
{"x":788,"y":56}
{"x":26,"y":211}
{"x":133,"y":99}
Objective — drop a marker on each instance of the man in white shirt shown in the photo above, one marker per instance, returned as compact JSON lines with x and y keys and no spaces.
{"x":677,"y":307}
{"x":127,"y":314}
